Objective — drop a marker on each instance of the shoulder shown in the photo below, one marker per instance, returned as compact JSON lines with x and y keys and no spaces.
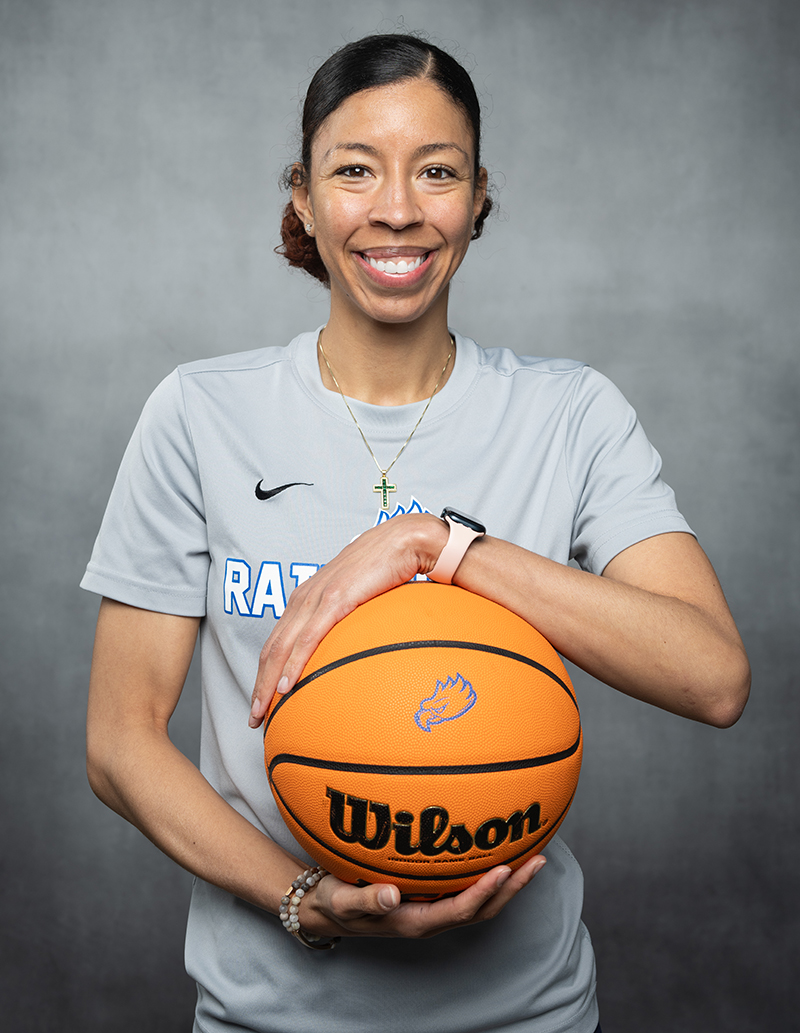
{"x":203,"y":390}
{"x":236,"y":378}
{"x":572,"y":382}
{"x":238,"y":362}
{"x":504,"y":362}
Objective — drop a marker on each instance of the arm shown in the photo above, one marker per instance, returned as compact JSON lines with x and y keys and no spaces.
{"x":139,"y":666}
{"x":655,"y":625}
{"x":138,"y":669}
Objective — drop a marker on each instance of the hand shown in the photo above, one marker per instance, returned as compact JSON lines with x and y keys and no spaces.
{"x":379,"y":559}
{"x":336,"y":908}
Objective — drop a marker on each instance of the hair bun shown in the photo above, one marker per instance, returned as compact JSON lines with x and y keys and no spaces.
{"x":298,"y":248}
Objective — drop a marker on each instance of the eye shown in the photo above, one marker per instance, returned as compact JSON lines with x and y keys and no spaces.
{"x":353,"y":171}
{"x":438,"y":172}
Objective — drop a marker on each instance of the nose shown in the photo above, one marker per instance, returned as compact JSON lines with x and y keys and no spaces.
{"x":396,"y":204}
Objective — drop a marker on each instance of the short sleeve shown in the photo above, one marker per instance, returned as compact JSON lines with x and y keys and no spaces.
{"x":615,"y":474}
{"x":152,"y":549}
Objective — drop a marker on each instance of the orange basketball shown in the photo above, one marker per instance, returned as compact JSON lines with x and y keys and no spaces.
{"x":433,"y":735}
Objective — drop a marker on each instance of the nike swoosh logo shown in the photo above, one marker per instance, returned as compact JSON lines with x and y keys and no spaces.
{"x":270,"y":493}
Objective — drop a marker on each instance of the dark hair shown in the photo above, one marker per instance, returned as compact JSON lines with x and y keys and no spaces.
{"x":367,"y":63}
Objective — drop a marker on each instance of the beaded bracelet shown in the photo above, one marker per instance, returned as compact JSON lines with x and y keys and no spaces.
{"x":290,"y":907}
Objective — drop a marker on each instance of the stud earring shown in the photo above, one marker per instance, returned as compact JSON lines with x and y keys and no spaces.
{"x":308,"y":227}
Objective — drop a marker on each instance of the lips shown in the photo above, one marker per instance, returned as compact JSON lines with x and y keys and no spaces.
{"x":397,"y":263}
{"x":399,"y":267}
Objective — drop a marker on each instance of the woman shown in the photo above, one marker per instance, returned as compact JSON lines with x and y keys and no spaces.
{"x":245,"y":481}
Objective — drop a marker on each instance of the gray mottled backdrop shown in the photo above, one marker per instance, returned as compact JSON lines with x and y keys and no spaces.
{"x":646,"y":157}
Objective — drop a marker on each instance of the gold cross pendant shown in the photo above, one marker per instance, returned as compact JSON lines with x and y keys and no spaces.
{"x":383,"y":489}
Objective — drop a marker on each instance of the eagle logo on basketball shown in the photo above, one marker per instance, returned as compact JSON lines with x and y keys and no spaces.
{"x":451,"y":699}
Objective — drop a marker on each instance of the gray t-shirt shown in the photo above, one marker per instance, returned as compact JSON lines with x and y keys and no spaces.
{"x":547,"y":453}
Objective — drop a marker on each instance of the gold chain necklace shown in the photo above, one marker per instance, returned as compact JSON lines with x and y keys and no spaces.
{"x":384,"y":487}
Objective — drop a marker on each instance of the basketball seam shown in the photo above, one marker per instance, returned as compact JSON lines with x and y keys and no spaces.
{"x":428,"y":769}
{"x":392,"y":647}
{"x":444,"y":877}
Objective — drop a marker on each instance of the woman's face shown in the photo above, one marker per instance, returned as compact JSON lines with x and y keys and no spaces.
{"x":392,"y":199}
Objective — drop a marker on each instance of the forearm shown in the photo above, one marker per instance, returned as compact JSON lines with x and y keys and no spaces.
{"x":141,"y":775}
{"x":138,"y":671}
{"x":681,"y":654}
{"x":655,"y":625}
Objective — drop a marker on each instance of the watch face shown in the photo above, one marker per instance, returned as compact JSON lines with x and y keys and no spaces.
{"x":462,"y":518}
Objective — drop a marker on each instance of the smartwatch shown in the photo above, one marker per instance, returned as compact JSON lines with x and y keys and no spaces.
{"x":463,"y":532}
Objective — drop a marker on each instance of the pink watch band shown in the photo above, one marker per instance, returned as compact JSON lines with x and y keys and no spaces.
{"x":461,"y":537}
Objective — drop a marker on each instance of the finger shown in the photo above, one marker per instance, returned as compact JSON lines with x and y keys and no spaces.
{"x":345,"y":903}
{"x":260,"y":700}
{"x":420,"y":920}
{"x":484,"y":899}
{"x":517,"y":881}
{"x":267,"y":679}
{"x":464,"y":906}
{"x":275,"y":669}
{"x":306,"y":641}
{"x":319,"y":614}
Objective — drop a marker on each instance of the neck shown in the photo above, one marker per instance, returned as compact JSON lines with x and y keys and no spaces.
{"x":386,"y":363}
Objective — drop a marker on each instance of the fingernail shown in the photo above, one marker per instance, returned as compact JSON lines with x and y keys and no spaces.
{"x":540,"y":863}
{"x":283,"y":685}
{"x":387,"y":899}
{"x":253,"y":720}
{"x":503,"y":877}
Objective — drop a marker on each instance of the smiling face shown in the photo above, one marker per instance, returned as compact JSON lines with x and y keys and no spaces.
{"x":392,"y":199}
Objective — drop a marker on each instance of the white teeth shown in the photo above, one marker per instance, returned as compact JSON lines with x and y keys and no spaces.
{"x":399,"y":268}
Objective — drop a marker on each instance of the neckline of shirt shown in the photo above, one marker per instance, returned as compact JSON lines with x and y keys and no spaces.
{"x":387,"y":418}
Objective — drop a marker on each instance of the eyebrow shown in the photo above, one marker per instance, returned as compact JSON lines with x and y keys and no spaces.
{"x":421,"y":152}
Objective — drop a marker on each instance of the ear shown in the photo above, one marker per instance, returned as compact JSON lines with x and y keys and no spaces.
{"x":481,"y":183}
{"x":301,"y":199}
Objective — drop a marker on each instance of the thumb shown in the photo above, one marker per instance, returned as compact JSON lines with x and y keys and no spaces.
{"x":388,"y":897}
{"x":344,"y":902}
{"x":378,"y":899}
